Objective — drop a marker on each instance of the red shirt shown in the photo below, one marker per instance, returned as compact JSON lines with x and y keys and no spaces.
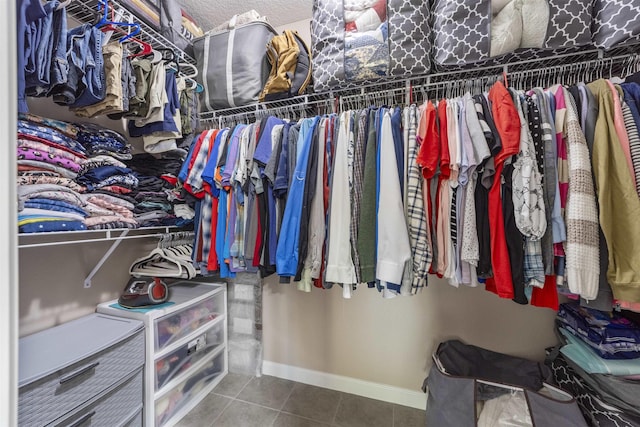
{"x":507,"y":122}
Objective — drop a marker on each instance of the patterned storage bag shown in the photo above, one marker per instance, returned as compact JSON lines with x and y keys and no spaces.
{"x":605,"y":400}
{"x":498,"y":31}
{"x":358,"y":40}
{"x":615,"y":22}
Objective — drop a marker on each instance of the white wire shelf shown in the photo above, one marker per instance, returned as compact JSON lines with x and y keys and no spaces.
{"x":57,"y":238}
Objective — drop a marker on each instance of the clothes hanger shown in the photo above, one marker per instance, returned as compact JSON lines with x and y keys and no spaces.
{"x":173,"y":58}
{"x":104,"y":21}
{"x":63,"y":4}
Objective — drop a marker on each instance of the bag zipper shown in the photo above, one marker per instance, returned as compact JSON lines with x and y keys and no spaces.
{"x":307,"y":80}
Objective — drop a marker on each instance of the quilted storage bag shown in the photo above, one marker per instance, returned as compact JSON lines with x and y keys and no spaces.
{"x":359,"y":40}
{"x":233,"y":65}
{"x":615,"y":22}
{"x":470,"y":386}
{"x":499,"y":31}
{"x":605,"y":400}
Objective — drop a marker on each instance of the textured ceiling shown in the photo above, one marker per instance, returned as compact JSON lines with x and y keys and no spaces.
{"x":210,"y":13}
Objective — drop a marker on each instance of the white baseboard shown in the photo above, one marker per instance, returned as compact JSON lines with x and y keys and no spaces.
{"x":387,"y":393}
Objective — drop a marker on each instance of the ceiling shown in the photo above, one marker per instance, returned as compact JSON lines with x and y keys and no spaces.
{"x":208,"y":14}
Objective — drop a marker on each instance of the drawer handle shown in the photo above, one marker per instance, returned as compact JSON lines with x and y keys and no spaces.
{"x":77,"y":373}
{"x":84,"y":419}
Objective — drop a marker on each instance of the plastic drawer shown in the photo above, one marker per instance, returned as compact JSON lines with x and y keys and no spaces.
{"x":178,"y":361}
{"x":112,"y":410}
{"x":169,"y":404}
{"x":136,"y":421}
{"x":179,"y":324}
{"x":57,"y":394}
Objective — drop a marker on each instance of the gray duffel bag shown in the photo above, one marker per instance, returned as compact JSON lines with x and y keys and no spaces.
{"x":470,"y":386}
{"x":233,"y":65}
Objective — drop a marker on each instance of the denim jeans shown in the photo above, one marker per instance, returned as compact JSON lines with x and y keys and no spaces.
{"x":66,"y":93}
{"x":85,"y":78}
{"x":28,"y":11}
{"x":39,"y":64}
{"x":94,"y":77}
{"x":59,"y":66}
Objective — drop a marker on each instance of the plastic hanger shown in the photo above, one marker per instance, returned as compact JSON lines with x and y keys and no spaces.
{"x":63,"y":4}
{"x":191,"y":76}
{"x":104,"y":21}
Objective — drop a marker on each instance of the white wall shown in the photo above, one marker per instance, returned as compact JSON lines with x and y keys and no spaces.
{"x":391,"y":341}
{"x":302,"y":27}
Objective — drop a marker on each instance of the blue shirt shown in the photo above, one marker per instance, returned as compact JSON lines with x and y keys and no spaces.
{"x":287,"y":248}
{"x":263,"y":147}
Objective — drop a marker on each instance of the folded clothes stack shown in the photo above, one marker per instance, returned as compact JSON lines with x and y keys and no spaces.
{"x":599,"y":363}
{"x":611,"y":336}
{"x":158,"y":198}
{"x":108,"y":180}
{"x":49,"y":159}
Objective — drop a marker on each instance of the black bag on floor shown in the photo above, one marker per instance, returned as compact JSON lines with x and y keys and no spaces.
{"x":470,"y":386}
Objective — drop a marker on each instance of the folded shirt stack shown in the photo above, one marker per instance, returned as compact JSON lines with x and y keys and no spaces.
{"x":49,"y":207}
{"x":98,"y":140}
{"x":108,"y":180}
{"x":158,"y":197}
{"x":611,"y":336}
{"x":49,"y":158}
{"x":599,"y":342}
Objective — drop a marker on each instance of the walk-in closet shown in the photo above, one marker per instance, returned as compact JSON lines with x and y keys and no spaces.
{"x":381,"y":213}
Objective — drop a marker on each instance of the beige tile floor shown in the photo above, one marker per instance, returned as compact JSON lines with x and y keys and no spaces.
{"x":244,"y":401}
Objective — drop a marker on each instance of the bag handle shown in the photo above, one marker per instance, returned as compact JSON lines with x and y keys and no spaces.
{"x":232,"y":21}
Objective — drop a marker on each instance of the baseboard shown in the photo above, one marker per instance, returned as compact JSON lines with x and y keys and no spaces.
{"x":387,"y":393}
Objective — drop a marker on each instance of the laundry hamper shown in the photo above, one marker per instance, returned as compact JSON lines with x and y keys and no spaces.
{"x":469,"y":386}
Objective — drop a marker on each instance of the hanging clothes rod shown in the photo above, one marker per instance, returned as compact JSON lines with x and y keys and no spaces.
{"x":306,"y":108}
{"x":566,"y":74}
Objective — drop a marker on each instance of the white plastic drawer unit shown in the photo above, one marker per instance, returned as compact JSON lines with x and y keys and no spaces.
{"x":179,"y":324}
{"x":187,"y":355}
{"x":171,"y":402}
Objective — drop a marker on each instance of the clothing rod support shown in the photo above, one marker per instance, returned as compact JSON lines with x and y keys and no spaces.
{"x":105,"y":257}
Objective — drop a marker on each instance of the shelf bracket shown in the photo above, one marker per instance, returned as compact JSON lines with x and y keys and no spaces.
{"x":105,"y":257}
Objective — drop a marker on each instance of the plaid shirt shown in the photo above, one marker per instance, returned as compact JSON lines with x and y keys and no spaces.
{"x":194,"y":178}
{"x":357,"y":187}
{"x":533,"y":265}
{"x":416,"y":215}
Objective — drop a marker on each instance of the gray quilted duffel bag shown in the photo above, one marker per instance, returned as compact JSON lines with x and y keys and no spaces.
{"x":474,"y":387}
{"x":233,"y":65}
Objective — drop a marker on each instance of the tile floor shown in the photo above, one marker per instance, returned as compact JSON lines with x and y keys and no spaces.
{"x":244,"y":401}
